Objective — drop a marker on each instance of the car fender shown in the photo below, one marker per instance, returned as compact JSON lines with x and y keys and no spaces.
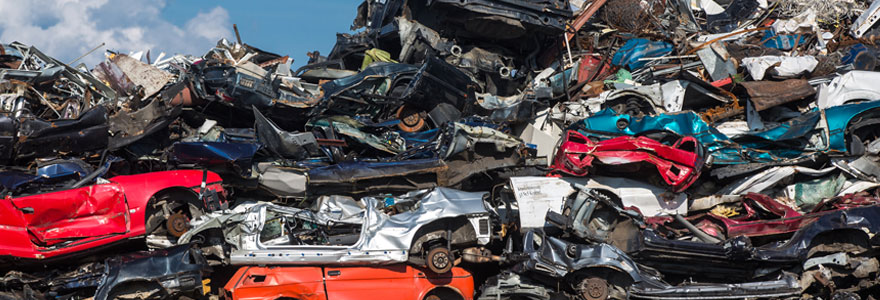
{"x":139,"y":189}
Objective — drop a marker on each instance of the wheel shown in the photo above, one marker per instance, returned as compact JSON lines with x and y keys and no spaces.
{"x":597,"y":288}
{"x":594,"y":288}
{"x":411,"y":119}
{"x":439,"y":260}
{"x":177,"y":224}
{"x":162,"y":231}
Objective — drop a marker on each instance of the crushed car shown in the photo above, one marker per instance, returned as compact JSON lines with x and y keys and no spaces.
{"x":399,"y":281}
{"x":431,"y":228}
{"x":171,"y":273}
{"x":87,"y":215}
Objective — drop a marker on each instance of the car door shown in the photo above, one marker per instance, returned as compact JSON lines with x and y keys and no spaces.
{"x":380,"y":282}
{"x":87,"y":212}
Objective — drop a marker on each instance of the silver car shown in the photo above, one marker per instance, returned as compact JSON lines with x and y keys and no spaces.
{"x":430,"y":228}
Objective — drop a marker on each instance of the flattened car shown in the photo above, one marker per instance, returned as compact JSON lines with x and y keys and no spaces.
{"x":73,"y":220}
{"x":320,"y":283}
{"x":760,"y":247}
{"x":430,"y":228}
{"x":678,"y":165}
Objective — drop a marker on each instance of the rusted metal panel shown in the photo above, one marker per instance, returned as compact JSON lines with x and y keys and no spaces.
{"x":149,"y":77}
{"x":767,"y":94}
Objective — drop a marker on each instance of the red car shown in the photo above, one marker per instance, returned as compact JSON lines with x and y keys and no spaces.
{"x":391,"y":282}
{"x":763,"y":216}
{"x":69,"y":221}
{"x":679,"y":165}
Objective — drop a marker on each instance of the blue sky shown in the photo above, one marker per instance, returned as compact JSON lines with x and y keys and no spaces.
{"x":66,"y":29}
{"x":283,"y":27}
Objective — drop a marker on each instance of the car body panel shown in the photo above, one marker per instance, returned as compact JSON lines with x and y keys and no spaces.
{"x":178,"y":269}
{"x":855,"y":85}
{"x":393,"y":281}
{"x":74,"y":213}
{"x":678,"y":167}
{"x":557,"y":258}
{"x":714,"y":259}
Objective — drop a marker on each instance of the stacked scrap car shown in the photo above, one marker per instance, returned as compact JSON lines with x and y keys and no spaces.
{"x":489,"y":149}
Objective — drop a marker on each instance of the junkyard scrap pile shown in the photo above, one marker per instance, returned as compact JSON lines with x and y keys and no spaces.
{"x":479,"y":149}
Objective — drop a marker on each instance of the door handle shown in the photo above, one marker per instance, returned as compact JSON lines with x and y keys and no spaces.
{"x":334,"y":273}
{"x":27,"y":210}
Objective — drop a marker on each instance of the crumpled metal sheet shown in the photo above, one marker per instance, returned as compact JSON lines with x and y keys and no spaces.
{"x":766,"y":94}
{"x":282,"y":143}
{"x":852,"y":86}
{"x":549,"y":255}
{"x":99,"y":204}
{"x":177,"y":270}
{"x":758,"y":146}
{"x":679,"y":165}
{"x":238,"y":156}
{"x":136,"y":73}
{"x":782,"y":65}
{"x":88,"y":132}
{"x":464,"y":137}
{"x":282,"y":181}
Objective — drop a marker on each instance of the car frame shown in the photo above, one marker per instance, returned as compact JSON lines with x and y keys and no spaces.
{"x":442,"y":221}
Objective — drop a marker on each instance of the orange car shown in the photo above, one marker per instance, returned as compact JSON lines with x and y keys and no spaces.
{"x":338,"y":283}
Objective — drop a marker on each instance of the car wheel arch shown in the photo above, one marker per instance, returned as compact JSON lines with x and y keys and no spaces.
{"x":444,"y":293}
{"x":177,"y":195}
{"x":110,"y":292}
{"x":851,"y":236}
{"x":437,"y":230}
{"x":848,"y":132}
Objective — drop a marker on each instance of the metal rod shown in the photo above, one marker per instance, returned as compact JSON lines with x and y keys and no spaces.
{"x":87,"y":53}
{"x":237,"y":36}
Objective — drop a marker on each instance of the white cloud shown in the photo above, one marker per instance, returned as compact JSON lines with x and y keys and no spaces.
{"x":65,"y":29}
